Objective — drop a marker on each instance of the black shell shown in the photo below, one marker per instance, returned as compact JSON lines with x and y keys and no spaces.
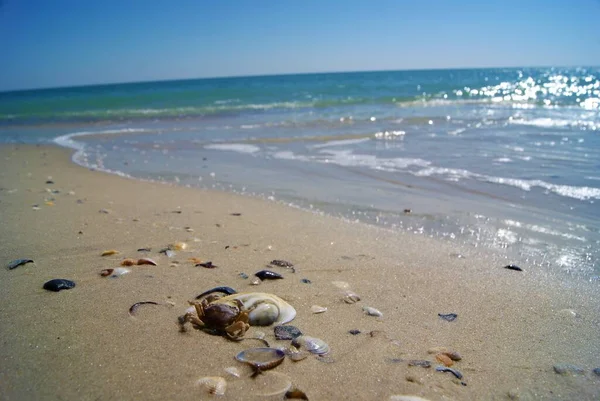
{"x":513,"y":267}
{"x":224,"y":290}
{"x":286,"y":332}
{"x":58,"y":284}
{"x":448,"y":316}
{"x":18,"y":262}
{"x":268,"y":275}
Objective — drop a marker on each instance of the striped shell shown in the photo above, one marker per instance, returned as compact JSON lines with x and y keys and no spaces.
{"x":311,"y":344}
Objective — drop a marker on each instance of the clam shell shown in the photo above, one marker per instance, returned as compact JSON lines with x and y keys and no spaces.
{"x":263,"y":304}
{"x":262,"y":358}
{"x":213,"y":384}
{"x":372,"y":311}
{"x":18,"y":262}
{"x":311,"y":344}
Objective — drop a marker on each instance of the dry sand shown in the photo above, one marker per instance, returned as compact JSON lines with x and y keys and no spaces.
{"x":82,"y":344}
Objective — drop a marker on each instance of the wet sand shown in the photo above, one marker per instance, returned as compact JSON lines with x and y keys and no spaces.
{"x":82,"y":344}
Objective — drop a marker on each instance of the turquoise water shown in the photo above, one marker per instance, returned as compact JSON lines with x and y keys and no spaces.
{"x":506,"y":159}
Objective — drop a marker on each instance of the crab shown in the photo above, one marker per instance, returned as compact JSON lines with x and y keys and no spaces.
{"x":228,"y":318}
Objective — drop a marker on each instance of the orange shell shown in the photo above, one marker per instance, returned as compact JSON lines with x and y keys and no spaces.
{"x":146,"y":261}
{"x":128,"y":262}
{"x":444,"y":359}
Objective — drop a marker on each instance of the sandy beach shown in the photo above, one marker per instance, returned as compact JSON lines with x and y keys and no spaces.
{"x":512,"y":328}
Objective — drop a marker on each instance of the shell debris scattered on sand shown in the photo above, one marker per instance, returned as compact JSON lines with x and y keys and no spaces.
{"x":372,"y":311}
{"x":215,"y":385}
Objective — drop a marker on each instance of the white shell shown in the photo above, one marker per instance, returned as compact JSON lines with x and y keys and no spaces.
{"x":318,"y":309}
{"x":233,"y":371}
{"x":119,"y":271}
{"x":311,"y":344}
{"x":265,"y":308}
{"x":213,"y":384}
{"x":351,"y":297}
{"x":372,"y":311}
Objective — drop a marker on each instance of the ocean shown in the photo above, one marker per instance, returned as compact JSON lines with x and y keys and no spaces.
{"x":500,"y":159}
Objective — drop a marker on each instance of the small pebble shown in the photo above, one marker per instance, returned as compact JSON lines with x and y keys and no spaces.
{"x":354,"y":332}
{"x":58,"y":284}
{"x":244,"y":276}
{"x":305,"y":281}
{"x":596,"y":371}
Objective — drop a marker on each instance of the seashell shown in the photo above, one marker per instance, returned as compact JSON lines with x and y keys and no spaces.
{"x":455,"y":356}
{"x":144,"y":249}
{"x":136,"y":305}
{"x":372,"y":311}
{"x":444,"y":360}
{"x":215,"y":385}
{"x":207,"y":265}
{"x":455,"y":372}
{"x":295,"y":354}
{"x":295,"y":394}
{"x":178,"y":246}
{"x":350,"y":297}
{"x":354,"y":332}
{"x":286,"y":332}
{"x":146,"y":261}
{"x":18,"y":262}
{"x":58,"y":284}
{"x":129,"y":262}
{"x":268,"y":275}
{"x":281,"y":263}
{"x":318,"y":309}
{"x":407,"y":398}
{"x":224,"y":290}
{"x":256,"y":281}
{"x":449,"y":317}
{"x":233,"y":371}
{"x":265,"y":309}
{"x":262,"y":358}
{"x":110,"y":252}
{"x":119,"y":271}
{"x":195,"y":260}
{"x":306,"y":281}
{"x":513,"y":267}
{"x":419,"y":362}
{"x":106,"y":272}
{"x":311,"y":344}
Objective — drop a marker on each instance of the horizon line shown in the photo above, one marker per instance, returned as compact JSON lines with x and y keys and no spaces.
{"x":79,"y":86}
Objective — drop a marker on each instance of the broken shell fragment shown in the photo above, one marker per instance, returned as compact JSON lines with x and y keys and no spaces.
{"x":351,"y":297}
{"x":128,"y":262}
{"x":419,"y":362}
{"x":286,"y":332}
{"x":207,"y":265}
{"x":295,"y":394}
{"x":449,"y":317}
{"x":110,"y":252}
{"x":233,"y":371}
{"x":318,"y":309}
{"x":311,"y":344}
{"x":262,"y":358}
{"x":106,"y":272}
{"x":18,"y":262}
{"x":455,"y":372}
{"x":119,"y":271}
{"x":444,"y":360}
{"x":372,"y":311}
{"x":136,"y":305}
{"x":281,"y":263}
{"x":295,"y":354}
{"x":178,"y":246}
{"x":215,"y":385}
{"x":146,"y":261}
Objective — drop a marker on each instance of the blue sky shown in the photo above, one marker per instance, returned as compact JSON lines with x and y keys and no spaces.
{"x":53,"y":43}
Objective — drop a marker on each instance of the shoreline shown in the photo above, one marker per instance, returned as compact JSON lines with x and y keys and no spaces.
{"x":81,"y":344}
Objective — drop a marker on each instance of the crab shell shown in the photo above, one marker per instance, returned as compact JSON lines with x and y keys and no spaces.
{"x":263,"y":309}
